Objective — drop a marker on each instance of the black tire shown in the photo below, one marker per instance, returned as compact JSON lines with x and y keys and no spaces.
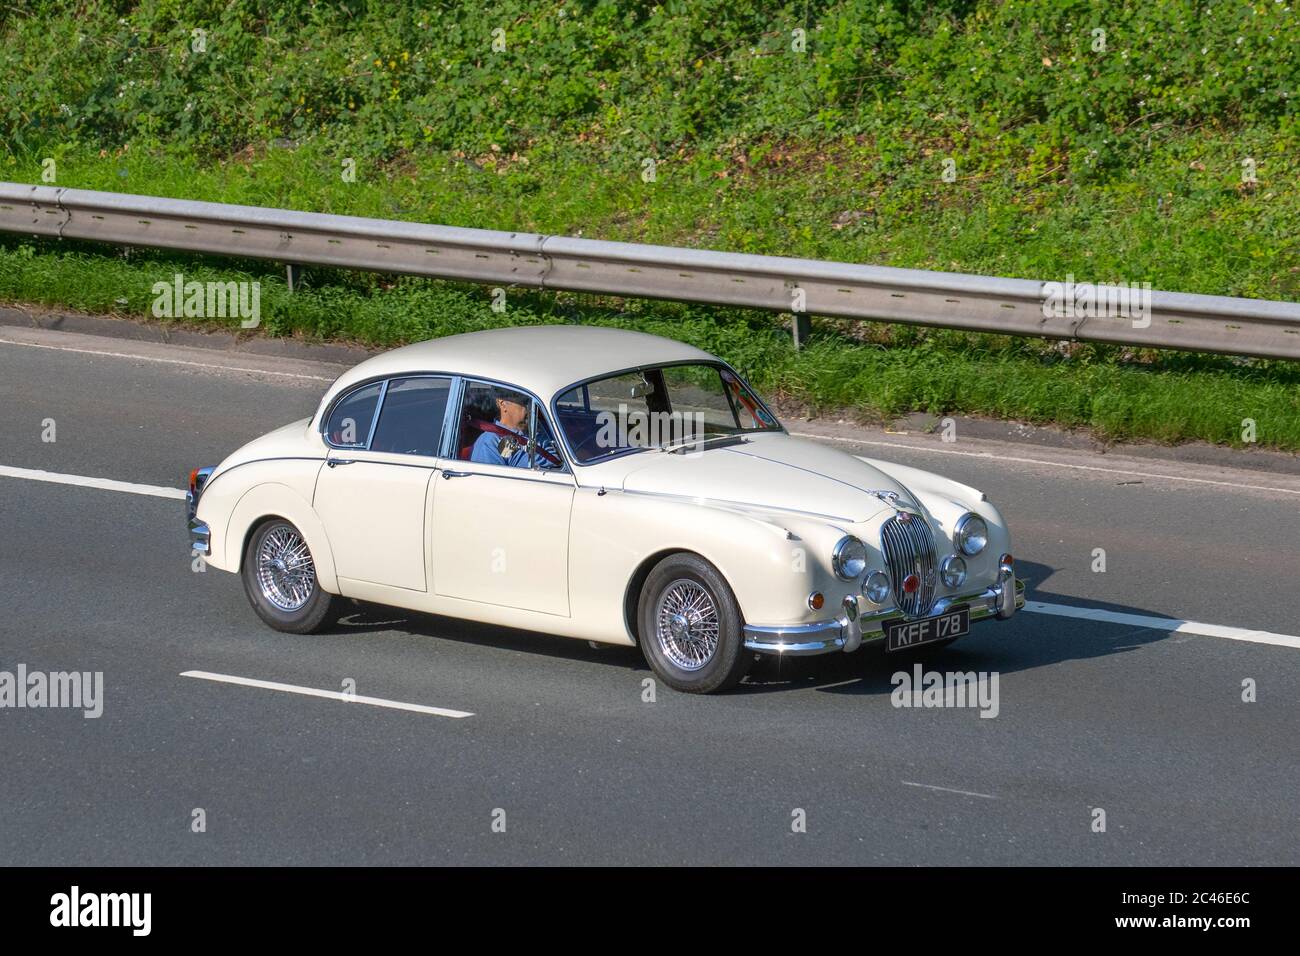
{"x":319,"y":610}
{"x":721,"y":668}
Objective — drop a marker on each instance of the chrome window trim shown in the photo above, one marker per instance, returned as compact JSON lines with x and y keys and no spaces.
{"x":451,"y":419}
{"x":329,"y":413}
{"x":532,"y":434}
{"x":563,"y":439}
{"x":383,"y":381}
{"x":536,"y":475}
{"x":427,"y":462}
{"x":379,"y":407}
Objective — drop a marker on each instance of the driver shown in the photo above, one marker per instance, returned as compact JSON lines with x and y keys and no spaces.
{"x":508,"y":445}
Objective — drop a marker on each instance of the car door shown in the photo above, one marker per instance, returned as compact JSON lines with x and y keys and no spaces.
{"x":501,"y":532}
{"x":371,"y":493}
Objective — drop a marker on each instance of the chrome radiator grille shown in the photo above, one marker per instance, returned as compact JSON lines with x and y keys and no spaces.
{"x":908,"y":547}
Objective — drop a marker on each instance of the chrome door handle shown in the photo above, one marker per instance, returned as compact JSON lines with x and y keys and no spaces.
{"x":456,"y":474}
{"x":340,"y":461}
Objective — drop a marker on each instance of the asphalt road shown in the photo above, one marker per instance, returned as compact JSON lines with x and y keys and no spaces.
{"x":1146,"y":724}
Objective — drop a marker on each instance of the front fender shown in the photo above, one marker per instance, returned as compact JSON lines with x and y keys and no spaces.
{"x":614,"y":535}
{"x":278,"y":500}
{"x":237,"y":498}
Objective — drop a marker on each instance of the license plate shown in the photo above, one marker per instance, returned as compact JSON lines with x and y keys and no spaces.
{"x":903,"y":635}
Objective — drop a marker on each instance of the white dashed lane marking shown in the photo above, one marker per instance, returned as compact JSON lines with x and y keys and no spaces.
{"x":104,"y":484}
{"x":327,"y":694}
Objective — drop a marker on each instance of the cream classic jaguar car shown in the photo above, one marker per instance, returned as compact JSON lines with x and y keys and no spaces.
{"x":599,"y":484}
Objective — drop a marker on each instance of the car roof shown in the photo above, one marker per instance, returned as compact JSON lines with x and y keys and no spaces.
{"x":540,"y":358}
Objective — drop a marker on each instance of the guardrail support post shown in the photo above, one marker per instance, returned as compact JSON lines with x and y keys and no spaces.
{"x":293,"y":276}
{"x":802,"y":326}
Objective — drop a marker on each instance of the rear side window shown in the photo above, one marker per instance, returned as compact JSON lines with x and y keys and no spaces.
{"x":349,"y":423}
{"x":410,"y":421}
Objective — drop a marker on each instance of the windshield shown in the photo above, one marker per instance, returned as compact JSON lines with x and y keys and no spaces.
{"x":669,"y":407}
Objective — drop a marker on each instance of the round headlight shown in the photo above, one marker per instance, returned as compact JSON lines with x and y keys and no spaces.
{"x":971,"y":535}
{"x":953,"y":570}
{"x":849,"y":559}
{"x":875,"y":587}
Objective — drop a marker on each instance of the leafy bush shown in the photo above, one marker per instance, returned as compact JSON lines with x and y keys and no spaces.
{"x":1031,"y":78}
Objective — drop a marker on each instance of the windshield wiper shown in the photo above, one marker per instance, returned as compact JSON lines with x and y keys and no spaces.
{"x":717,"y":440}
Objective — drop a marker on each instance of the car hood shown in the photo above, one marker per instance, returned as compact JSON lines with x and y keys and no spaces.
{"x":770,"y":472}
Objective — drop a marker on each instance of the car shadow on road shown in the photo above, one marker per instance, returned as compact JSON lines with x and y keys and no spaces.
{"x":1027,"y":641}
{"x":365,"y":617}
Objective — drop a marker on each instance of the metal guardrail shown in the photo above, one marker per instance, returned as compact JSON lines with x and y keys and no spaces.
{"x":1254,"y":327}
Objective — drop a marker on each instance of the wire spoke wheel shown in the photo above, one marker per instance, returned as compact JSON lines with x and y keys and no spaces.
{"x":686,"y":624}
{"x":286,"y":574}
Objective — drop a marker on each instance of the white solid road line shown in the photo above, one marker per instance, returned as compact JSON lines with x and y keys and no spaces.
{"x":106,"y":484}
{"x":1164,"y":624}
{"x":165,"y":361}
{"x":329,"y":694}
{"x":991,"y":456}
{"x":964,"y":793}
{"x":1036,"y":607}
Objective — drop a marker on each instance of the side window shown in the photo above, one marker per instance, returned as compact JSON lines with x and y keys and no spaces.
{"x":410,"y":421}
{"x":349,"y":423}
{"x":500,"y":426}
{"x":574,"y":400}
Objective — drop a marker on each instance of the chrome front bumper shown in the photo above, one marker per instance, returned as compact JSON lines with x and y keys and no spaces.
{"x":847,"y":632}
{"x":200,"y":533}
{"x":200,"y":537}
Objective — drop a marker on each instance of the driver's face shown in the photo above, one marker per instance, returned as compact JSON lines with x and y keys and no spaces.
{"x":512,"y":413}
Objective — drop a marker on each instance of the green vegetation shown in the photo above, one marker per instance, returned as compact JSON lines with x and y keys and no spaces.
{"x":1122,"y":163}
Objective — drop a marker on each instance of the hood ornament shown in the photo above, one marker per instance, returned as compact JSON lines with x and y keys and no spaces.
{"x":904,"y":510}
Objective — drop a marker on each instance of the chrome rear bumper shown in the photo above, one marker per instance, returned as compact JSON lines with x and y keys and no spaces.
{"x":1001,"y":600}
